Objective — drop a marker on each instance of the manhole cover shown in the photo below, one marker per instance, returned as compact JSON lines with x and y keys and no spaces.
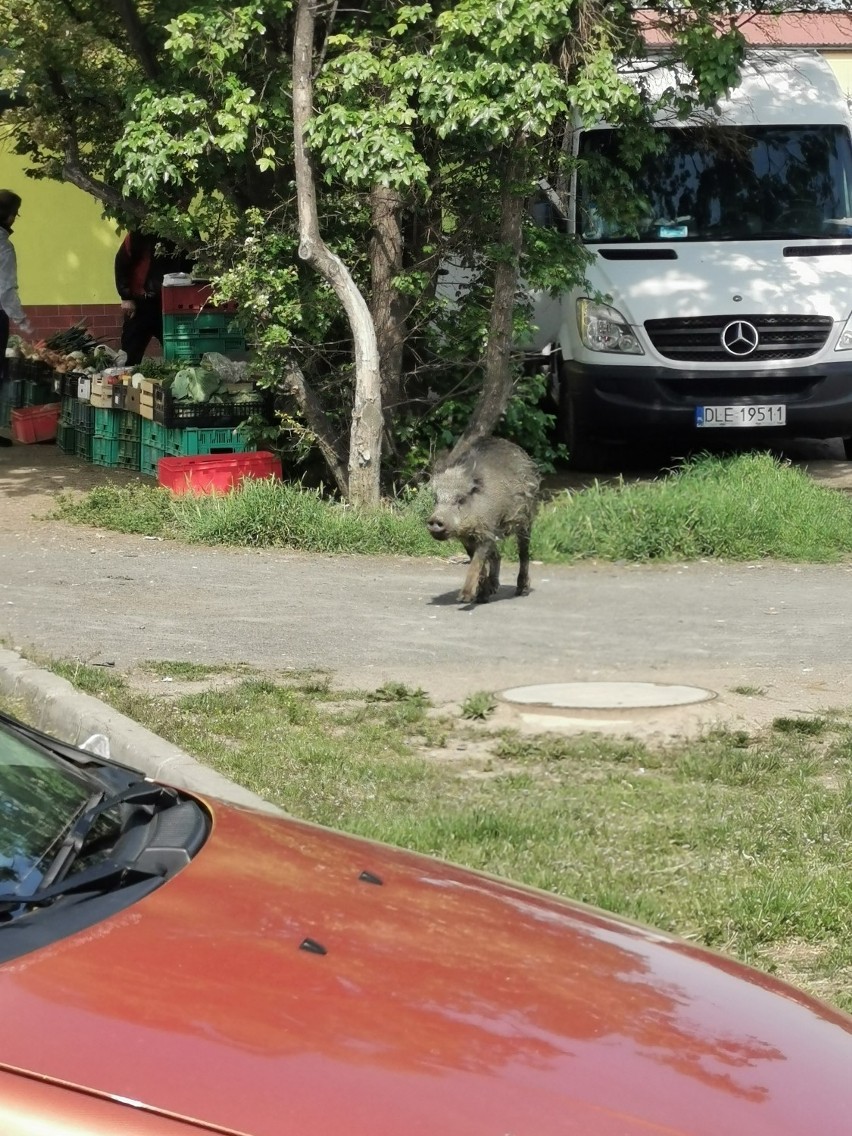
{"x":605,"y":696}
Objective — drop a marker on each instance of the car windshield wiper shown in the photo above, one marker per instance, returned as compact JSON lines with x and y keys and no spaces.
{"x":53,"y":883}
{"x":105,"y":876}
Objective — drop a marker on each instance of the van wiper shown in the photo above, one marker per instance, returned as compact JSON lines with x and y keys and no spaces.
{"x":53,"y":883}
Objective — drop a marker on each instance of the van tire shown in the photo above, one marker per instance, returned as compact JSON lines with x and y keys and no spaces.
{"x":584,"y":452}
{"x":847,"y":448}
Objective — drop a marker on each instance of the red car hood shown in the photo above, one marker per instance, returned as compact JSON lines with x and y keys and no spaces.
{"x":446,"y":1003}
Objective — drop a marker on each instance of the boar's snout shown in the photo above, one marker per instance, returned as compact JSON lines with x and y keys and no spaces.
{"x":437,"y":528}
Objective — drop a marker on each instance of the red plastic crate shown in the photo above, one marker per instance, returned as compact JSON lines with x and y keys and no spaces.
{"x":183,"y":299}
{"x":215,"y":473}
{"x":36,"y":423}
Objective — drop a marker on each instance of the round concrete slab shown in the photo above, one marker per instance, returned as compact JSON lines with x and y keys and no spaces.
{"x":605,"y":696}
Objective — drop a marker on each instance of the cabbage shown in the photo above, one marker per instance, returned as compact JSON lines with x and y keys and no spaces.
{"x":195,"y":384}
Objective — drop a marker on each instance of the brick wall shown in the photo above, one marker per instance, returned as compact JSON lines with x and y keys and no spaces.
{"x":103,"y":321}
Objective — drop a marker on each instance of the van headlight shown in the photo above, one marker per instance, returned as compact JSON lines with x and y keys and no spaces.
{"x":604,"y":329}
{"x":844,"y":343}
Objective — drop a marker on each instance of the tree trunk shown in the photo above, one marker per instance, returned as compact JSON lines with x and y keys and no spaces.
{"x":366,"y":432}
{"x":388,"y":307}
{"x":498,"y":380}
{"x":318,"y":422}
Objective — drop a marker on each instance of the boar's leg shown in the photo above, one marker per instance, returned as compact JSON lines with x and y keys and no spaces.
{"x":491,"y":585}
{"x":523,"y":588}
{"x":472,"y":589}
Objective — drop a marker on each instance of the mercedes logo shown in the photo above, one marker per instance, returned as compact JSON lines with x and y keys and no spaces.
{"x":740,"y":338}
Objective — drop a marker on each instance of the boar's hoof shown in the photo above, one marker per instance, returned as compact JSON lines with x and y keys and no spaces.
{"x":487,"y":589}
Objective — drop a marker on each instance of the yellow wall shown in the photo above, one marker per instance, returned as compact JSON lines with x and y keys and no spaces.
{"x":65,"y":248}
{"x":841,"y":62}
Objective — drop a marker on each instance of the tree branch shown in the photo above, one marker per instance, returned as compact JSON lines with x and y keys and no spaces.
{"x":318,"y":422}
{"x":137,"y":38}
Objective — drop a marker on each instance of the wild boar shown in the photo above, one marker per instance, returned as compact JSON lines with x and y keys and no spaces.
{"x":485,"y":491}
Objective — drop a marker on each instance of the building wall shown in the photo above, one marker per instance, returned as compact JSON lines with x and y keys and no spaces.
{"x":841,"y":63}
{"x":65,"y":252}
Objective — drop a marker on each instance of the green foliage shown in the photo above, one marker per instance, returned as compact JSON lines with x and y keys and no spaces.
{"x":479,"y":706}
{"x":183,"y":118}
{"x":440,"y":426}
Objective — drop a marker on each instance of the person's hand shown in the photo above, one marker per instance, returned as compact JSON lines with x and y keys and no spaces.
{"x":128,"y":307}
{"x":26,"y":328}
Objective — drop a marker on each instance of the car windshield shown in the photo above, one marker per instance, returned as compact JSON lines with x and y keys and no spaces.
{"x":723,"y":183}
{"x":39,"y":801}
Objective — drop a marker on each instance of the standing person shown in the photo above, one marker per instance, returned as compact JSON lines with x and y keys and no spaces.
{"x":10,"y":304}
{"x":140,"y":265}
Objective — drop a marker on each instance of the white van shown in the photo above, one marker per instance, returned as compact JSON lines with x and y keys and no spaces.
{"x":730,"y":305}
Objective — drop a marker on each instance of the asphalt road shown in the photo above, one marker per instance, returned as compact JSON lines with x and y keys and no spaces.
{"x":112,"y":599}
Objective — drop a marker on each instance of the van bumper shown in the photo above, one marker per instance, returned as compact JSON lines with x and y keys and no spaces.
{"x":633,"y":403}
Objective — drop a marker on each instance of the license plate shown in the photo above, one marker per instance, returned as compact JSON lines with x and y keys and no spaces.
{"x":728,"y":416}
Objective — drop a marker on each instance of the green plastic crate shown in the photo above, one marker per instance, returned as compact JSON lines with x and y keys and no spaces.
{"x":83,"y":443}
{"x":191,"y":441}
{"x":66,"y":438}
{"x":148,"y":458}
{"x":186,"y":325}
{"x":104,"y":451}
{"x":13,"y":392}
{"x":37,"y":392}
{"x":106,"y":422}
{"x":190,"y":350}
{"x":66,"y":412}
{"x":130,"y":426}
{"x":83,"y":415}
{"x":129,"y":454}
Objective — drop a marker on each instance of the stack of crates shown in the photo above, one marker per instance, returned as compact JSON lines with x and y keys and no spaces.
{"x":159,"y":441}
{"x":193,"y":325}
{"x":113,"y":436}
{"x":29,"y":383}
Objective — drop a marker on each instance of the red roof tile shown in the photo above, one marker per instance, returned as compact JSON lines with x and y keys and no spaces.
{"x":793,"y":29}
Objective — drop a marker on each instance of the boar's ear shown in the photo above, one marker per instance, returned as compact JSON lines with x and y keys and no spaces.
{"x":440,"y":462}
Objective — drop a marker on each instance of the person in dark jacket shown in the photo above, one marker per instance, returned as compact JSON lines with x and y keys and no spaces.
{"x":140,"y":265}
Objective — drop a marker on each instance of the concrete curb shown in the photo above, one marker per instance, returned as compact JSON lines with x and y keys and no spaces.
{"x":55,"y":706}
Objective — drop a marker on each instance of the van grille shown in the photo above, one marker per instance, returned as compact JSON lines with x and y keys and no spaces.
{"x":699,"y":338}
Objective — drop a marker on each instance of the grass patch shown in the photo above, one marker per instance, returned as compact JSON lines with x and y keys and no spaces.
{"x":743,"y":508}
{"x":479,"y":705}
{"x":261,"y":514}
{"x":738,"y":841}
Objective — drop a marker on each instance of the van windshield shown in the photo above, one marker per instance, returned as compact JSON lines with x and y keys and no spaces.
{"x":721,"y":184}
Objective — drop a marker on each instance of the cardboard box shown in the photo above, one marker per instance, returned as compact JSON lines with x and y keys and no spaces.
{"x":132,"y":396}
{"x":103,"y":385}
{"x":146,"y":398}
